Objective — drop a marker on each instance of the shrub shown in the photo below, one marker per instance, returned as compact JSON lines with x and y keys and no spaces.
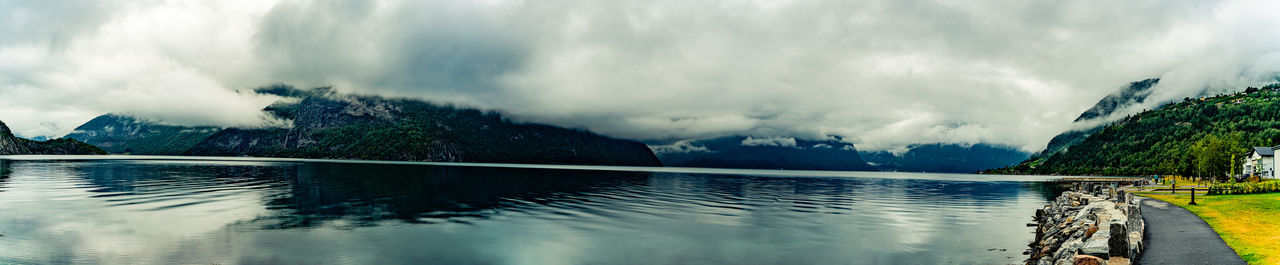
{"x":1245,"y":188}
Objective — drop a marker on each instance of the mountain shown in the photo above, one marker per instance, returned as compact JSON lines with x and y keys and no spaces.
{"x":1195,"y":137}
{"x":763,"y":153}
{"x":946,"y":158}
{"x":330,"y":125}
{"x":1092,"y":120}
{"x":122,"y":134}
{"x":1133,"y":94}
{"x":9,"y":144}
{"x":12,"y":145}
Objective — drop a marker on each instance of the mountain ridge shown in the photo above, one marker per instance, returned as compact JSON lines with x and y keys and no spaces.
{"x":12,"y":145}
{"x":323,"y":123}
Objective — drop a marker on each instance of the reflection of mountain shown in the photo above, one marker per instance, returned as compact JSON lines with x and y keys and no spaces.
{"x":197,"y":212}
{"x":315,"y":194}
{"x":303,"y":195}
{"x":421,"y":194}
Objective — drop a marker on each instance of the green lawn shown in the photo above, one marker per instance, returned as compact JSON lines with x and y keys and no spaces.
{"x":1248,"y":223}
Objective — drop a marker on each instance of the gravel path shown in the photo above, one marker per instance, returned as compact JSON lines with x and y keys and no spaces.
{"x":1177,"y":236}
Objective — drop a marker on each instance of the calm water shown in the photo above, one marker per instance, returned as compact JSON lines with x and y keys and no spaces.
{"x":295,"y":212}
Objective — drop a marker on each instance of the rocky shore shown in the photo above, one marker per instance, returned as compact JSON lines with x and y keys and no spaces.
{"x":1091,"y":224}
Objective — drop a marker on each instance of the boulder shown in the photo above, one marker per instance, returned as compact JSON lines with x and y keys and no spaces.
{"x":1096,"y":246}
{"x":1135,"y":244}
{"x":1088,"y":260}
{"x":1068,"y":249}
{"x":1089,"y":233}
{"x":1118,"y":241}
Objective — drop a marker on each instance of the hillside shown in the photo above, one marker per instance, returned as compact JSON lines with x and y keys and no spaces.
{"x":331,"y":125}
{"x":764,"y":153}
{"x":1090,"y":121}
{"x":1195,"y":137}
{"x":12,"y":145}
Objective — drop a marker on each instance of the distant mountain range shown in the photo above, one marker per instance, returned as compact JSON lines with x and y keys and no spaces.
{"x":833,"y":154}
{"x":949,"y":158}
{"x":122,"y":134}
{"x":763,"y":153}
{"x":12,"y":145}
{"x":327,"y":124}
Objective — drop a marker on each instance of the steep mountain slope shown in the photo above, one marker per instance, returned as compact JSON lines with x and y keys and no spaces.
{"x":12,"y":145}
{"x":326,"y":124}
{"x":9,"y":144}
{"x":1091,"y":121}
{"x":1192,"y":137}
{"x":1132,"y":94}
{"x":947,"y":158}
{"x":763,"y":153}
{"x":128,"y":135}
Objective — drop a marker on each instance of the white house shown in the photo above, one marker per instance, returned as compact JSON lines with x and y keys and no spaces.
{"x":1260,"y":162}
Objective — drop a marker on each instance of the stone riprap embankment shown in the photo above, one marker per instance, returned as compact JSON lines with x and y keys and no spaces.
{"x":1091,"y":225}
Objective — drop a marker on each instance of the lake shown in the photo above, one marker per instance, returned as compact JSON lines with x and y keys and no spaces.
{"x":153,"y":210}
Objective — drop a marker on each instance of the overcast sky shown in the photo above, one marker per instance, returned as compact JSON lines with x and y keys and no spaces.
{"x":882,"y":74}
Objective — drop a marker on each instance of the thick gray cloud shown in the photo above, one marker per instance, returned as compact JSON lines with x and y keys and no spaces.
{"x":882,"y":74}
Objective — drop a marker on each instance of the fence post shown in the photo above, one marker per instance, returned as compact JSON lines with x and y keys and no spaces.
{"x":1193,"y":196}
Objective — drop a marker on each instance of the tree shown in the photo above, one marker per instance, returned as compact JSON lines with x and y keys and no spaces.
{"x":1213,"y":155}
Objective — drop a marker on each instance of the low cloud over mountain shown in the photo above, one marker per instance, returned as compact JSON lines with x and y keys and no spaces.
{"x":881,"y":74}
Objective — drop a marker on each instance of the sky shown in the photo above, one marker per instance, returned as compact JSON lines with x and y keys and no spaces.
{"x":880,"y":74}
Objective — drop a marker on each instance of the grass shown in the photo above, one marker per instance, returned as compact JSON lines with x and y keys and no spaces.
{"x":1250,"y":224}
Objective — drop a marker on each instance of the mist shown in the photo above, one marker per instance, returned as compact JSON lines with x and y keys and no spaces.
{"x":881,"y":75}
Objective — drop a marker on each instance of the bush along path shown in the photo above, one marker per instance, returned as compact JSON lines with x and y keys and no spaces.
{"x":1088,"y":226}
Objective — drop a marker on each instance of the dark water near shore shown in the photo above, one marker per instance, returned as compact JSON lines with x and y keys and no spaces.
{"x":293,"y":212}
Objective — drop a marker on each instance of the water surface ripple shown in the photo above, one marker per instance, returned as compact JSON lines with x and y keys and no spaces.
{"x":147,"y":211}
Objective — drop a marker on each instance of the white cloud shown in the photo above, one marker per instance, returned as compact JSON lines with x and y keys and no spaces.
{"x":685,"y":146}
{"x":883,"y":74}
{"x":770,"y":141}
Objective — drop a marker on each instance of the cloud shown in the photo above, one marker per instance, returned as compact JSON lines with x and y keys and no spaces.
{"x":685,"y":146}
{"x":882,"y":74}
{"x":770,"y":141}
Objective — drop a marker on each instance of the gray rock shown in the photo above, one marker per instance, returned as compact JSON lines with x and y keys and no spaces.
{"x":1118,"y":242}
{"x":1068,"y":249}
{"x":1096,"y":246}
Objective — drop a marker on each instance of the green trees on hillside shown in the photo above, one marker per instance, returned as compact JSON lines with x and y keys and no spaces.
{"x":1217,"y":157}
{"x":1206,"y":137}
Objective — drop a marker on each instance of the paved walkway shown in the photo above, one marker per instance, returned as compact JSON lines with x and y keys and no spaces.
{"x":1177,"y":236}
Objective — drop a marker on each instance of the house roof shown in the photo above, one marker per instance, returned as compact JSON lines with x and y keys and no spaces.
{"x":1264,"y":151}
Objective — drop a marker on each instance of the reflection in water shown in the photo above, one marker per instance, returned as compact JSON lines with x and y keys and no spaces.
{"x":204,"y":212}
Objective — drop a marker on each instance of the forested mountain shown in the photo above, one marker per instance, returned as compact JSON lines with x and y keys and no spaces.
{"x":1092,"y":120}
{"x":1195,"y":137}
{"x":12,"y":145}
{"x":763,"y":153}
{"x":327,"y":124}
{"x":947,"y":158}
